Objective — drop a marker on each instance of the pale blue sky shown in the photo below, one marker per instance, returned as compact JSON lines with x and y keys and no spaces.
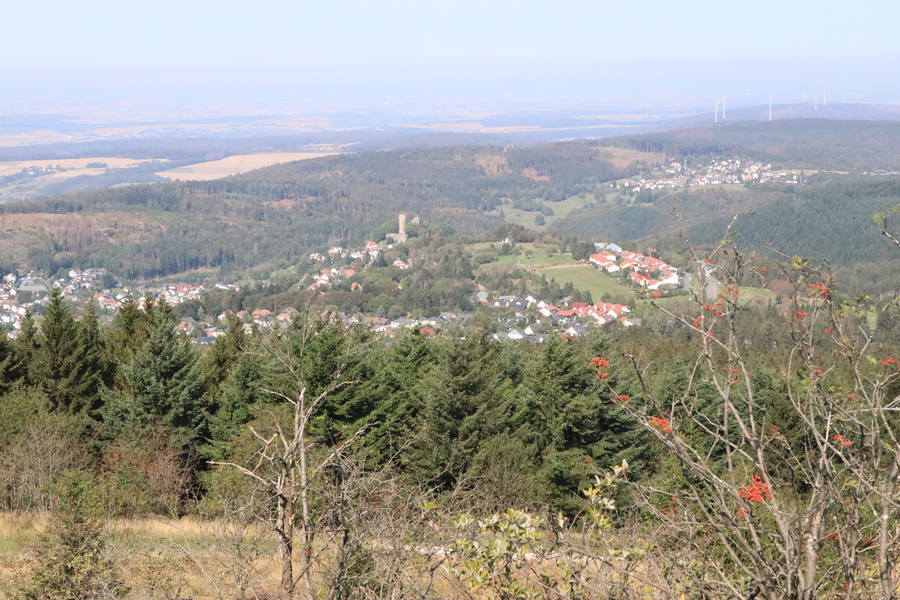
{"x":118,"y":32}
{"x":431,"y":53}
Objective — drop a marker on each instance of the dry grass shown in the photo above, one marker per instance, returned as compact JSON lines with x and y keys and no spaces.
{"x":234,"y":165}
{"x":532,"y":173}
{"x":161,"y":558}
{"x":493,"y":164}
{"x":19,"y":531}
{"x":622,"y":157}
{"x":191,"y":558}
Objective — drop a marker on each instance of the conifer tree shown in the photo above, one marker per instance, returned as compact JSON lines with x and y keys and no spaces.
{"x":129,"y":331}
{"x":63,"y":366}
{"x":567,"y":418}
{"x":94,"y":347}
{"x":26,"y":343}
{"x":239,"y":394}
{"x":225,"y":352}
{"x":11,"y":369}
{"x":71,"y":564}
{"x":162,"y":382}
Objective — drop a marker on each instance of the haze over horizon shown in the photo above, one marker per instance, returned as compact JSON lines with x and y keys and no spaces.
{"x":439,"y":58}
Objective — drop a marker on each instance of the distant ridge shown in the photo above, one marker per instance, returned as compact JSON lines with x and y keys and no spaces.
{"x":807,"y":110}
{"x":805,"y":143}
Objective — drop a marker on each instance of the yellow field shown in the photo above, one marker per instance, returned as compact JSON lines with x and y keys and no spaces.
{"x":78,"y":165}
{"x":234,"y":165}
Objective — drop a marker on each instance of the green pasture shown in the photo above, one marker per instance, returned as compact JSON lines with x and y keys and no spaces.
{"x":526,"y":218}
{"x":586,"y":277}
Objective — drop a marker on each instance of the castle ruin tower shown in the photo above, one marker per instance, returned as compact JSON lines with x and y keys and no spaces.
{"x":402,"y":230}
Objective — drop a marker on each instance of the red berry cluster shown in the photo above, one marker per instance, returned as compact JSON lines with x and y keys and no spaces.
{"x":758,"y":491}
{"x":599,"y":363}
{"x":661,"y":423}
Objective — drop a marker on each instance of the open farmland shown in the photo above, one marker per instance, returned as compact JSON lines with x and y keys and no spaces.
{"x":27,"y":179}
{"x":235,"y":165}
{"x":73,"y":166}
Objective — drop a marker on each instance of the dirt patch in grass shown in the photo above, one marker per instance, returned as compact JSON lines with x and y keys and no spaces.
{"x":493,"y":164}
{"x":622,"y":157}
{"x":534,"y":174}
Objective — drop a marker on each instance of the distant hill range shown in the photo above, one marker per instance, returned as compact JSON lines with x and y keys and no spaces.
{"x":264,"y":219}
{"x":806,"y":110}
{"x":802,"y":143}
{"x":52,"y":136}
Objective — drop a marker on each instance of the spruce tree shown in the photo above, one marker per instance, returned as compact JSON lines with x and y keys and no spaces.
{"x":129,"y":331}
{"x":71,"y":562}
{"x":566,"y":415}
{"x":26,"y":344}
{"x":93,"y":347}
{"x":11,"y":370}
{"x":225,"y":352}
{"x":238,"y":395}
{"x":163,"y":383}
{"x":63,"y":366}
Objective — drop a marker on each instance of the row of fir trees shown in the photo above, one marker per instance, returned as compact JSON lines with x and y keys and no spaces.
{"x":146,"y":412}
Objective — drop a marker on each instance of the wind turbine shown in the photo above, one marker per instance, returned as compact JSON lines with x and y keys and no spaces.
{"x":717,"y":112}
{"x":770,"y":107}
{"x":723,"y":106}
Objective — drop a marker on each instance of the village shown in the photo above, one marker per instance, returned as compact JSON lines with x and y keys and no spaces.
{"x":22,"y":294}
{"x":528,"y":318}
{"x":717,"y":172}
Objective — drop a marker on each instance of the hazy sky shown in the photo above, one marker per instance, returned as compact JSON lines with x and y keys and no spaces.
{"x":115,"y":32}
{"x":284,"y":51}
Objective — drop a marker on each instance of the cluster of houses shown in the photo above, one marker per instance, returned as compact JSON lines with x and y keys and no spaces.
{"x":643,"y":271}
{"x":19,"y":294}
{"x":329,"y":276}
{"x":12,"y":313}
{"x":370,"y":251}
{"x":534,"y":320}
{"x":174,"y":294}
{"x":205,"y":331}
{"x":430,"y":326}
{"x":717,"y":172}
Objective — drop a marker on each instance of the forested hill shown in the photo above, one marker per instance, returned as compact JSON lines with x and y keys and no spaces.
{"x":832,"y":222}
{"x":271,"y":218}
{"x":280,"y":212}
{"x":792,"y":143}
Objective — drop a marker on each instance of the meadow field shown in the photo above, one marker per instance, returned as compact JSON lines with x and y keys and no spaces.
{"x":585,"y":277}
{"x":526,"y":218}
